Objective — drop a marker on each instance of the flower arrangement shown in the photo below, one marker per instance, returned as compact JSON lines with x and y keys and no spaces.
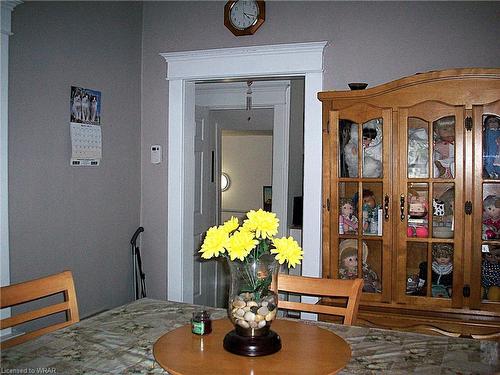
{"x":250,"y":241}
{"x":254,"y":256}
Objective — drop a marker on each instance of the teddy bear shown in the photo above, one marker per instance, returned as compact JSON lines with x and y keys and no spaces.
{"x":491,"y":217}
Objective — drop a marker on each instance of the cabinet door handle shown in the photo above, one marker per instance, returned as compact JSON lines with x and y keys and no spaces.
{"x":386,"y":207}
{"x":402,"y":206}
{"x":466,"y":290}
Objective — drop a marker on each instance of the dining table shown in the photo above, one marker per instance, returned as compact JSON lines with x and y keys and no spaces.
{"x":121,"y":341}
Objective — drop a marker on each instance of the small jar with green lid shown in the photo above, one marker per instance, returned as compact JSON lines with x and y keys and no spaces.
{"x":201,"y":323}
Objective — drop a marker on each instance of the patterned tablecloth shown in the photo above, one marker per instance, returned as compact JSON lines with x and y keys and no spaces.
{"x":120,"y":341}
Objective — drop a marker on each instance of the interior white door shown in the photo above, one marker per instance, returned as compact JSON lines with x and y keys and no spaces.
{"x":204,"y":272}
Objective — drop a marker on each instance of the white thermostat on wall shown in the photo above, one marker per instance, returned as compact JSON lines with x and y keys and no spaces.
{"x":155,"y":154}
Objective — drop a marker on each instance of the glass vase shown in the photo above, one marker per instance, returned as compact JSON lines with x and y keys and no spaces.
{"x":252,"y":306}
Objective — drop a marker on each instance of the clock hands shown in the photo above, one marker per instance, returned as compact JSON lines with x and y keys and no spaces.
{"x":249,"y":15}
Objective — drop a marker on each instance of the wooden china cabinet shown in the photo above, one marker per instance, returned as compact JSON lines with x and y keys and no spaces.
{"x":411,"y":200}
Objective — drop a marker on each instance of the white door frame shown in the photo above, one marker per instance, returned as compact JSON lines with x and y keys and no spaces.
{"x":6,"y":8}
{"x":282,"y":60}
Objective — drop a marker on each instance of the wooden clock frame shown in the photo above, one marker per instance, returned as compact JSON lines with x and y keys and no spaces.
{"x":252,"y":28}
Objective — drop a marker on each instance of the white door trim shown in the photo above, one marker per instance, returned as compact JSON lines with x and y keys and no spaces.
{"x":282,"y":60}
{"x":6,"y":8}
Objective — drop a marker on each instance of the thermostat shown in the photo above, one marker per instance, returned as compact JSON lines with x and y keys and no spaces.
{"x":155,"y":154}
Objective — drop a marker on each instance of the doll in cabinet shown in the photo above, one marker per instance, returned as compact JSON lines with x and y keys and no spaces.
{"x":348,"y":266}
{"x":491,"y":150}
{"x":372,"y":214}
{"x":348,"y":221}
{"x":491,"y":218}
{"x":417,"y":220}
{"x":490,"y":273}
{"x":444,"y":147}
{"x":442,"y":270}
{"x":372,"y":149}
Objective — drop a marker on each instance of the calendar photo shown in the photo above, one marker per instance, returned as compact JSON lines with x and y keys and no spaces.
{"x":85,"y":106}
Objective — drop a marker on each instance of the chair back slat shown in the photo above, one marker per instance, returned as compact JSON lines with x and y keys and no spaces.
{"x":311,"y":286}
{"x":312,"y":308}
{"x":34,"y":334}
{"x":35,"y":314}
{"x":17,"y":294}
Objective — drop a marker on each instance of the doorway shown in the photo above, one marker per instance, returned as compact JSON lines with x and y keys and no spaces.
{"x":223,"y":106}
{"x":184,"y":68}
{"x":246,"y":160}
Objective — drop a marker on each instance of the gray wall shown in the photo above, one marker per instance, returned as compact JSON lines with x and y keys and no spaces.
{"x":371,"y":42}
{"x":77,"y":218}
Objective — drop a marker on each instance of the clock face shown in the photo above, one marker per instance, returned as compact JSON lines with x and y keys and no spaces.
{"x":244,"y":14}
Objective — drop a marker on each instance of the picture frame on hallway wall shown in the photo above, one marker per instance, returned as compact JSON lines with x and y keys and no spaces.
{"x":267,"y":195}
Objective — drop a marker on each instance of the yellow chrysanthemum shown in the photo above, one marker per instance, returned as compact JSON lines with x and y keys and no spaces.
{"x":263,"y":223}
{"x":215,"y":242}
{"x":287,"y":250}
{"x":240,"y":244}
{"x":231,"y":225}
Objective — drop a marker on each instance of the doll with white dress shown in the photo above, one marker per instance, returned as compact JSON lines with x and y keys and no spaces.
{"x":372,"y":149}
{"x":351,"y":152}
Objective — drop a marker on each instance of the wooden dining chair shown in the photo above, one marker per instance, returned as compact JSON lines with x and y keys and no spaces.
{"x":312,"y":286}
{"x":22,"y":293}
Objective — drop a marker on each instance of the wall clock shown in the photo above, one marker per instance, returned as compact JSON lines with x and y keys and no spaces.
{"x":244,"y":17}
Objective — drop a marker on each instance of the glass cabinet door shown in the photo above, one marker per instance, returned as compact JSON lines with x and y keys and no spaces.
{"x":485,"y":275}
{"x":362,"y":175}
{"x":430,"y":136}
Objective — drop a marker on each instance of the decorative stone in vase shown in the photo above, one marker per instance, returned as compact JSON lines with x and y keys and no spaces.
{"x":252,"y":307}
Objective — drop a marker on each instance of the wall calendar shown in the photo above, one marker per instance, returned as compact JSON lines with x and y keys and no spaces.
{"x":85,"y":127}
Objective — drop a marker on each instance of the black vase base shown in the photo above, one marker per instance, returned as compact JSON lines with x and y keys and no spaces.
{"x":252,"y":346}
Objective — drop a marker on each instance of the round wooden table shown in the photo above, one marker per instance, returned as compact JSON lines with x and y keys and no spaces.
{"x":306,"y":349}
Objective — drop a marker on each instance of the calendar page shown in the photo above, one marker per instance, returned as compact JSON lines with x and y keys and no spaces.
{"x":85,"y":126}
{"x":86,"y":144}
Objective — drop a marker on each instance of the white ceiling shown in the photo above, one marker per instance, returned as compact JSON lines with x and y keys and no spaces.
{"x":258,"y":120}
